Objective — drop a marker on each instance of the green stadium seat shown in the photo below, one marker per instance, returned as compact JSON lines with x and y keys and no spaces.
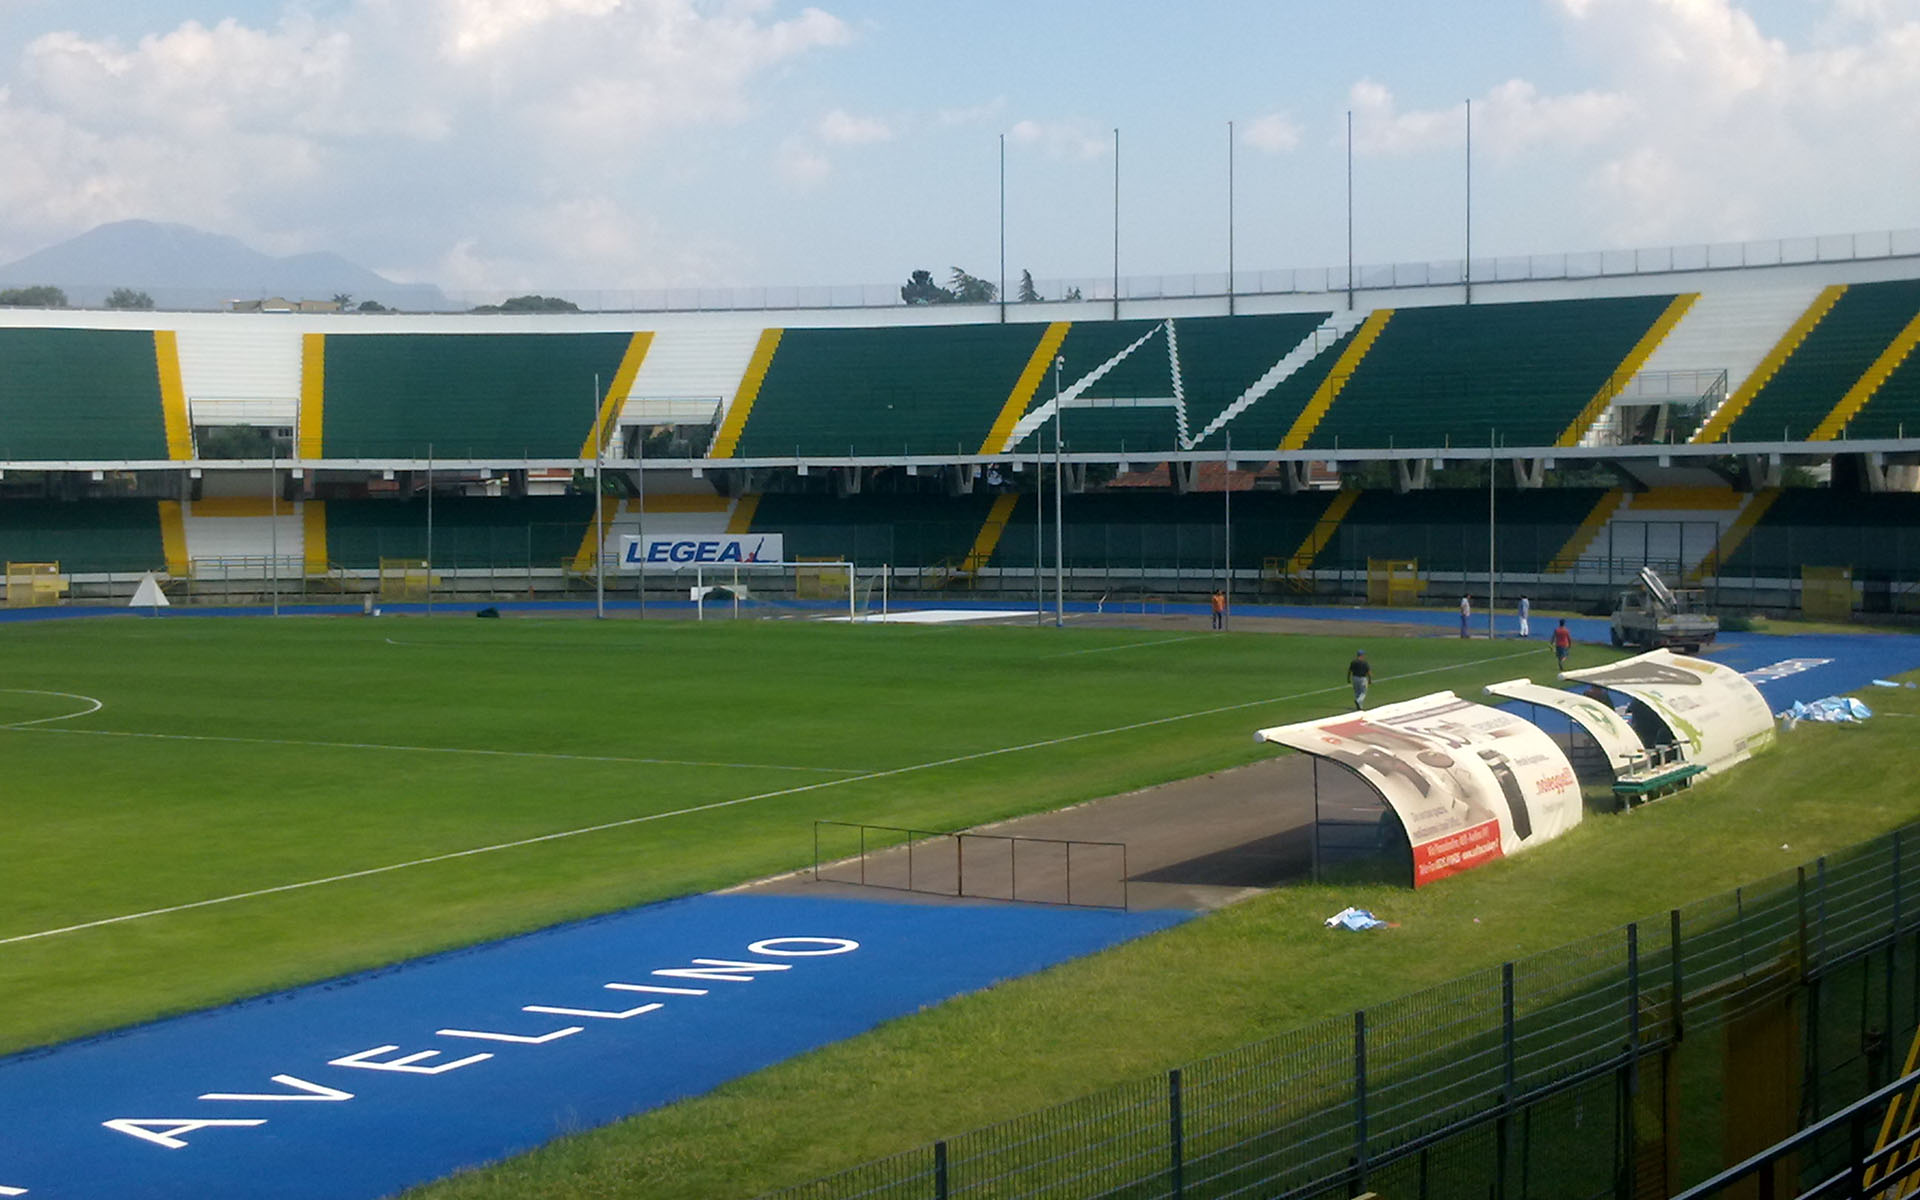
{"x":79,"y":394}
{"x":1835,"y":354}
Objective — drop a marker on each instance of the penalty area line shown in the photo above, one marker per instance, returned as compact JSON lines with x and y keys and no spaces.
{"x":716,"y":805}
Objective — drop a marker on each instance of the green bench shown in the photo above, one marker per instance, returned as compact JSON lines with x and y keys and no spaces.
{"x":1656,"y":773}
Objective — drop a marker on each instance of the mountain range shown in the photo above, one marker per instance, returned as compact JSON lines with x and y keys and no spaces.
{"x":186,"y":268}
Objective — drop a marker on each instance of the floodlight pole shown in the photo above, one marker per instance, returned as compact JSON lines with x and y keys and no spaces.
{"x":1059,"y":538}
{"x":640,"y":515}
{"x":429,"y":528}
{"x":1226,"y":551}
{"x":1229,"y":218}
{"x":599,"y":524}
{"x":273,"y":521}
{"x":1039,"y":525}
{"x":1492,"y":470}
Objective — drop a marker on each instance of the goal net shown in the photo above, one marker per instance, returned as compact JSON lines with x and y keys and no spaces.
{"x":30,"y":584}
{"x":825,"y":588}
{"x":405,"y":579}
{"x":1394,"y":581}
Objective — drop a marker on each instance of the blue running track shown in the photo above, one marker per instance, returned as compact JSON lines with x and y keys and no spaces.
{"x":363,"y":1086}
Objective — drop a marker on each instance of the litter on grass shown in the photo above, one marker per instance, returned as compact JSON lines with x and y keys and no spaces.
{"x":1890,"y":683}
{"x":1355,"y":919}
{"x":1835,"y":709}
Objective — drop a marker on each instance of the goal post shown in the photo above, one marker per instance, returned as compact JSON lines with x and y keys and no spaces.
{"x":32,"y":584}
{"x":812,"y":583}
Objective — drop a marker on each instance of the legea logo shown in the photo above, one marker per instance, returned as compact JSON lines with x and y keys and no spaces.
{"x":684,"y":551}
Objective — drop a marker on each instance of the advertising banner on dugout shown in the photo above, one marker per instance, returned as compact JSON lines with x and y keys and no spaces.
{"x":1470,"y":783}
{"x":691,"y":549}
{"x":1607,"y":728}
{"x":1717,"y":714}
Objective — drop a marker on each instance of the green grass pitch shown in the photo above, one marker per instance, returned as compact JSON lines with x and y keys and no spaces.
{"x":230,"y":757}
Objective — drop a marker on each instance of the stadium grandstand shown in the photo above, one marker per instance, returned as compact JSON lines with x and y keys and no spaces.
{"x":1727,"y":418}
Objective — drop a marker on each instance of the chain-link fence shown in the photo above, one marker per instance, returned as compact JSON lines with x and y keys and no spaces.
{"x":1628,"y":1064}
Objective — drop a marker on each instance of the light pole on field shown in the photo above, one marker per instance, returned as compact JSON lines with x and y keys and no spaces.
{"x":1059,"y":540}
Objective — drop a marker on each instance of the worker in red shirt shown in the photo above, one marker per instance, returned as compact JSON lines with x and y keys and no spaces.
{"x":1562,"y":642}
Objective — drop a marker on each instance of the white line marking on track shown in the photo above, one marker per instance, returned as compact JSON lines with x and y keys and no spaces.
{"x":85,"y":712}
{"x":738,"y":800}
{"x":544,"y":754}
{"x":1196,"y":637}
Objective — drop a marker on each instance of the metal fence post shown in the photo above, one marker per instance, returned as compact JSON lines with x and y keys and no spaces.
{"x":1177,"y":1149}
{"x":1800,"y":898}
{"x":1503,"y":1129}
{"x":1676,"y":975}
{"x":1360,"y":1097}
{"x":940,"y":1171}
{"x":1820,"y":878}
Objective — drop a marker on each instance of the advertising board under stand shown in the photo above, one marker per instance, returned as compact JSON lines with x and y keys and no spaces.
{"x":1468,"y":782}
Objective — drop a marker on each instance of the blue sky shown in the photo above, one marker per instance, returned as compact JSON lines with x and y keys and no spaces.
{"x":500,"y":145}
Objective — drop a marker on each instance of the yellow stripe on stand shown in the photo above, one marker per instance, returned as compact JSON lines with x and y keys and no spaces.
{"x":1590,"y":528}
{"x":1730,"y":411}
{"x":1024,"y":388}
{"x":1628,"y":368}
{"x":173,"y":395}
{"x":605,"y":421}
{"x":989,"y":535}
{"x":728,"y":439}
{"x":313,"y":527}
{"x":1329,"y":389}
{"x":609,"y":509}
{"x":1735,"y":534}
{"x":743,"y":509}
{"x":1868,"y":383}
{"x":313,"y":394}
{"x":173,"y":537}
{"x":1336,"y":512}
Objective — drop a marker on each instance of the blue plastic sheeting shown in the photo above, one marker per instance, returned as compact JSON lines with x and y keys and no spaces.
{"x":366,"y":1085}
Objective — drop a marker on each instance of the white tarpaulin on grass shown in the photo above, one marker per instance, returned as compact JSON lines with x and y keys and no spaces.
{"x":1717,"y":713}
{"x":1470,"y":783}
{"x":1607,"y":728}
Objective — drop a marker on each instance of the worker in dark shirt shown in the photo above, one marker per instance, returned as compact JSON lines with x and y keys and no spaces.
{"x":1359,"y":671}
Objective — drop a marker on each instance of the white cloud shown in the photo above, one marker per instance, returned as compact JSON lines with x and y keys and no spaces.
{"x":841,"y":128}
{"x":1073,"y":137}
{"x":1274,"y":133}
{"x":396,"y":114}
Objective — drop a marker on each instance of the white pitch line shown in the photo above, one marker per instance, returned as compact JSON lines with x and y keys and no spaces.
{"x":543,"y":754}
{"x":85,"y":712}
{"x":1130,"y":646}
{"x":738,"y":800}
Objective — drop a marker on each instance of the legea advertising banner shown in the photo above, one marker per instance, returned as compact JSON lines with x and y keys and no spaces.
{"x":1717,"y":713}
{"x":1607,"y":728}
{"x":668,"y":551}
{"x":1470,"y":783}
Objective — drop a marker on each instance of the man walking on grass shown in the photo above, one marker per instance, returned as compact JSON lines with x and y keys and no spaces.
{"x":1358,"y":673}
{"x":1562,"y":642}
{"x":1466,"y":613}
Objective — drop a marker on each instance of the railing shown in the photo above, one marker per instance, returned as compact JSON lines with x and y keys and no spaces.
{"x":1454,"y":1090}
{"x":1451,"y":272}
{"x":1879,"y":1172}
{"x":981,"y":866}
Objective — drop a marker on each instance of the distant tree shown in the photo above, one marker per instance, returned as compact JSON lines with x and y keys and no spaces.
{"x":921,"y":289}
{"x":1027,"y":291}
{"x":1073,"y":293}
{"x":344,"y":300}
{"x":128,"y":298}
{"x":530,"y":304}
{"x":33,"y":297}
{"x":970,"y":289}
{"x":372,"y":306}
